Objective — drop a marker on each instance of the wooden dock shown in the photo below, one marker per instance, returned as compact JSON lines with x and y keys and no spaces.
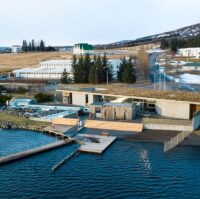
{"x":98,"y":143}
{"x":34,"y":151}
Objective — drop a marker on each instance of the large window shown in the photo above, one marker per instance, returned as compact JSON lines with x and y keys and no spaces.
{"x":86,"y":99}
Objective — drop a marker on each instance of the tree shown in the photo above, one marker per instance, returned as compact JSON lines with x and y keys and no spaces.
{"x":41,"y":97}
{"x":29,"y":47}
{"x":33,"y":46}
{"x":92,"y":73}
{"x":75,"y":69}
{"x":24,"y":46}
{"x":107,"y":70}
{"x":86,"y":67}
{"x":143,"y":62}
{"x":129,"y":74}
{"x":98,"y":72}
{"x":122,"y":68}
{"x":50,"y":49}
{"x":78,"y":69}
{"x":42,"y":46}
{"x":65,"y":79}
{"x":4,"y":99}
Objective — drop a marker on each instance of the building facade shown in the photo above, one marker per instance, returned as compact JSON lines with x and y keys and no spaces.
{"x":189,"y":52}
{"x":16,"y":49}
{"x":162,"y":107}
{"x":52,"y":69}
{"x":112,"y":111}
{"x":83,"y":49}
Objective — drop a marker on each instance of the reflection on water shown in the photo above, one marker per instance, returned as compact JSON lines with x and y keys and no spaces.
{"x":145,"y":159}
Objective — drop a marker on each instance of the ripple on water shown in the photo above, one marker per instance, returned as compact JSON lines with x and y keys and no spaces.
{"x":126,"y":170}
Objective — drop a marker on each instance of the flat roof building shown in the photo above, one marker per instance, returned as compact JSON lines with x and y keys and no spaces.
{"x":170,"y":104}
{"x":189,"y":52}
{"x":51,"y":69}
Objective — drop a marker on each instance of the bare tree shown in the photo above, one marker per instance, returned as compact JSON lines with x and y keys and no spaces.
{"x":143,"y":62}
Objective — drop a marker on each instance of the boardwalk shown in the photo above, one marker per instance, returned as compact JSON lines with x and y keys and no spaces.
{"x":23,"y":154}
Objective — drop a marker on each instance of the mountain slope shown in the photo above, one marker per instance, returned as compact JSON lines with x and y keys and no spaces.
{"x":186,"y":32}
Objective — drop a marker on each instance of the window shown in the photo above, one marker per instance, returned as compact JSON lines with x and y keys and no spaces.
{"x":97,"y":110}
{"x":86,"y":99}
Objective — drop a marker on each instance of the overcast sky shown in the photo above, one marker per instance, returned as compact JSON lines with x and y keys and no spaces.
{"x":65,"y":22}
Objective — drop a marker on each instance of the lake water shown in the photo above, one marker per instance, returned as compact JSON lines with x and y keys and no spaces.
{"x":126,"y":170}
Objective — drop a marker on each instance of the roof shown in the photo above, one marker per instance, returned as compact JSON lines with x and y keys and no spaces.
{"x":84,"y":46}
{"x":64,"y":61}
{"x":111,"y":104}
{"x":128,"y":91}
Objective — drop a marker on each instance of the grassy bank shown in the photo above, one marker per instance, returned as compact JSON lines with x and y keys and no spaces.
{"x":20,"y":121}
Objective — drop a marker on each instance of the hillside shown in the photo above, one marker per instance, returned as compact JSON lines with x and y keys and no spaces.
{"x":182,"y":33}
{"x":9,"y":62}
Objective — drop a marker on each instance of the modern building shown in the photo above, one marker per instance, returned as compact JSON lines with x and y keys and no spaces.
{"x":83,"y":49}
{"x":189,"y":52}
{"x":52,"y":69}
{"x":171,"y":104}
{"x":112,"y":111}
{"x":16,"y":49}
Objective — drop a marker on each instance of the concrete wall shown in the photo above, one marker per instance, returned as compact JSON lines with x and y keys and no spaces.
{"x":196,"y":120}
{"x":78,"y":99}
{"x":173,"y":109}
{"x":90,"y":99}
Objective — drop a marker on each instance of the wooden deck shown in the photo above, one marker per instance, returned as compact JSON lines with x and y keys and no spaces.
{"x":98,"y":144}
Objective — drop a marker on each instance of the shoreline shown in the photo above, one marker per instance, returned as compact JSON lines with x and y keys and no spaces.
{"x":153,"y":136}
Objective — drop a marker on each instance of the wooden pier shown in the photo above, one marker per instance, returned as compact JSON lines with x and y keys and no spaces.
{"x":34,"y":151}
{"x":64,"y":160}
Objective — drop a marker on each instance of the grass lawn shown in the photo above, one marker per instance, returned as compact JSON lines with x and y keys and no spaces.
{"x":20,"y":121}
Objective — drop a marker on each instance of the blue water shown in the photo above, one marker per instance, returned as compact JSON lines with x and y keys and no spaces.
{"x":126,"y":170}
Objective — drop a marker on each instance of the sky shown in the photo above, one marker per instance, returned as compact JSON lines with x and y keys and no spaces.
{"x":66,"y":22}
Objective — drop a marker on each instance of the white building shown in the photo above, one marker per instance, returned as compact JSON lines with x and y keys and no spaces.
{"x":83,"y":49}
{"x":189,"y":52}
{"x":52,"y":69}
{"x":16,"y":49}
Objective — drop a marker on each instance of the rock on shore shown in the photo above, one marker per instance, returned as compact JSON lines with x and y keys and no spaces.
{"x":12,"y":125}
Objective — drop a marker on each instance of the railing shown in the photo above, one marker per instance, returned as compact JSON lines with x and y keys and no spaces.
{"x":175,"y":141}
